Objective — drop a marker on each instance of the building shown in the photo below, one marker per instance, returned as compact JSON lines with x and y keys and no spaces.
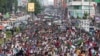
{"x":22,"y":2}
{"x":46,"y":2}
{"x":57,"y":3}
{"x":41,"y":2}
{"x":60,"y":3}
{"x":97,"y":17}
{"x":84,"y":24}
{"x":79,"y":7}
{"x":97,"y":7}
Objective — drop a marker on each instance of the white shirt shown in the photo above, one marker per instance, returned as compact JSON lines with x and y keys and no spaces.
{"x":75,"y":54}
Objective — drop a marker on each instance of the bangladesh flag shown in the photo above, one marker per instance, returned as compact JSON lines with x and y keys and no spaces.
{"x":79,"y":42}
{"x":69,"y":44}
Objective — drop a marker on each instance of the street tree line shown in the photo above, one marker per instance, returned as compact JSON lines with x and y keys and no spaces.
{"x":38,"y":7}
{"x":6,"y":5}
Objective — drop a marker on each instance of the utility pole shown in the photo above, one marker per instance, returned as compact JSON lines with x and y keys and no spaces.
{"x":13,"y":7}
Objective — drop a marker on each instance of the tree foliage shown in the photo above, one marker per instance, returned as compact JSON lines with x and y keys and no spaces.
{"x":37,"y":6}
{"x":6,"y":5}
{"x":3,"y":4}
{"x":85,"y":15}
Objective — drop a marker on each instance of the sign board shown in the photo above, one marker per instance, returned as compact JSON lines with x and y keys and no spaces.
{"x":31,"y":7}
{"x":98,"y":1}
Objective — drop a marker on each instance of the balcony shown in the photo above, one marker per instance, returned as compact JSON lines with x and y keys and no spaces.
{"x":80,"y":3}
{"x":74,"y":3}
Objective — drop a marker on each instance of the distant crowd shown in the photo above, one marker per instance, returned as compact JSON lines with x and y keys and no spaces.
{"x":43,"y":39}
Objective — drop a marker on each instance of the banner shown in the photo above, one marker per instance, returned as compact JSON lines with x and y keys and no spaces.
{"x":31,"y":7}
{"x":98,"y":1}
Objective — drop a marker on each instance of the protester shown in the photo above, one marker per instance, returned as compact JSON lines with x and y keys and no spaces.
{"x":41,"y":39}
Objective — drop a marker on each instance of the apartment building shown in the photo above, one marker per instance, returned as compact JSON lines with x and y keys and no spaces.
{"x":97,"y":17}
{"x":79,"y":7}
{"x":97,"y":7}
{"x":60,"y":3}
{"x":22,"y":2}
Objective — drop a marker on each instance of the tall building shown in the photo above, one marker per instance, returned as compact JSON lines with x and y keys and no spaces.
{"x":55,"y":2}
{"x":41,"y":2}
{"x":97,"y":7}
{"x":59,"y":3}
{"x":97,"y":17}
{"x":45,"y":2}
{"x":79,"y":7}
{"x":22,"y":2}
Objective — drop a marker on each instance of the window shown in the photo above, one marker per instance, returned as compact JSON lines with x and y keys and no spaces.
{"x":88,"y":7}
{"x":89,"y":0}
{"x":77,"y":0}
{"x":69,"y":0}
{"x":77,"y":7}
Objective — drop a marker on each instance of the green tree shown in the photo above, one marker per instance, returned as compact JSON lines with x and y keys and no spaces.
{"x":85,"y":15}
{"x":78,"y":17}
{"x":3,"y":4}
{"x":15,"y":4}
{"x":37,"y":6}
{"x":6,"y":5}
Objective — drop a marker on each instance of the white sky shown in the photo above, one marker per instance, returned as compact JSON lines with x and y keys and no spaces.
{"x":44,"y":2}
{"x":48,"y":2}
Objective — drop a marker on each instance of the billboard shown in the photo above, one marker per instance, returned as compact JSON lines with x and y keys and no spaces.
{"x":31,"y":7}
{"x":98,"y":1}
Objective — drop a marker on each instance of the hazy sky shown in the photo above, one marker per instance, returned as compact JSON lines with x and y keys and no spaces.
{"x":51,"y":1}
{"x":48,"y":2}
{"x":44,"y":2}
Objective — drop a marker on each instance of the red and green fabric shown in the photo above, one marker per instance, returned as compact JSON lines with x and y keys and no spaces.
{"x":79,"y":42}
{"x":69,"y":44}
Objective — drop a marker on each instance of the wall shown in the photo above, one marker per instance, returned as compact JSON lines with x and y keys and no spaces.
{"x":84,"y":7}
{"x":84,"y":24}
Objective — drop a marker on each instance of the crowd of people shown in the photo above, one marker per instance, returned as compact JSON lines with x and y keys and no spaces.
{"x":43,"y":39}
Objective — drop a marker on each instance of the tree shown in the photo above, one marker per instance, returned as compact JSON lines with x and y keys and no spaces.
{"x":85,"y":15}
{"x":37,"y":6}
{"x":15,"y":5}
{"x":6,"y":5}
{"x":3,"y":4}
{"x":78,"y":17}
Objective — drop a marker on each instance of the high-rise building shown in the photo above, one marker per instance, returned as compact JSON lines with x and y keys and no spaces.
{"x":45,"y":2}
{"x":22,"y":2}
{"x":41,"y":2}
{"x":56,"y":3}
{"x":97,"y":17}
{"x":79,"y":7}
{"x":59,"y":3}
{"x":97,"y":7}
